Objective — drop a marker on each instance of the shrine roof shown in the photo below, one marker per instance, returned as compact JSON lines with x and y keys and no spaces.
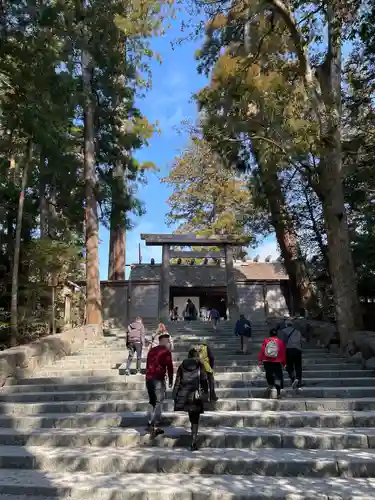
{"x":211,"y":275}
{"x":192,"y":240}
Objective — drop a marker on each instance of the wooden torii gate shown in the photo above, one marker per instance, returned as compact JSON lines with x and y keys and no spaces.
{"x":225,"y":243}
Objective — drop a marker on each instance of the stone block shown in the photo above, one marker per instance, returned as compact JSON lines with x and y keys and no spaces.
{"x":370,"y":363}
{"x":21,"y":361}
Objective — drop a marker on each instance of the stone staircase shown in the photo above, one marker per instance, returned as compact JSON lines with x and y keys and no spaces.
{"x":76,"y":430}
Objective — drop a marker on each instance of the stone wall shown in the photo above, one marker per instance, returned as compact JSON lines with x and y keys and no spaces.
{"x":115,"y":303}
{"x":251,"y":301}
{"x":144,"y":300}
{"x":21,"y":361}
{"x":361,"y":349}
{"x":276,"y":303}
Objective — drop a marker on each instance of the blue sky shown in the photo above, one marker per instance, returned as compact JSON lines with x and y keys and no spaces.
{"x":168,"y":102}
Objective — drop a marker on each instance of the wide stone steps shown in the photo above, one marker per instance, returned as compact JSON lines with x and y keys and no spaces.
{"x":274,"y":462}
{"x":76,"y":430}
{"x":120,"y":370}
{"x":268,"y":419}
{"x":120,"y":486}
{"x":177,"y":437}
{"x":27,"y":407}
{"x":106,"y":392}
{"x":236,"y":383}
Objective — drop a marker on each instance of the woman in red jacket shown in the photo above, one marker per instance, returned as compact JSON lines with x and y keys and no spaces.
{"x":273,"y":357}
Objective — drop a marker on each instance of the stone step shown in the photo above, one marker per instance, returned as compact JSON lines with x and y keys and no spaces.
{"x":108,"y":391}
{"x":133,"y":383}
{"x":221,"y":365}
{"x":120,"y":486}
{"x":269,"y":419}
{"x":223,"y":357}
{"x":274,"y":462}
{"x":29,"y":405}
{"x":218,"y":437}
{"x":108,"y":372}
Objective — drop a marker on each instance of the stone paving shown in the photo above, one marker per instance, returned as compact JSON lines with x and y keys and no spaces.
{"x":76,"y":430}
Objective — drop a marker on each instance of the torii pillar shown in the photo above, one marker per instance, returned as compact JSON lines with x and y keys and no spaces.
{"x":232,"y":294}
{"x":164,"y":283}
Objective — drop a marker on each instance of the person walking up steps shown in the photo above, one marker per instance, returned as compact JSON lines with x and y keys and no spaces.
{"x":273,"y":356}
{"x":159,"y":364}
{"x":135,"y":340}
{"x":293,"y":342}
{"x":214,"y":316}
{"x":191,"y":391}
{"x":208,"y":361}
{"x":161,"y":329}
{"x":243,"y":329}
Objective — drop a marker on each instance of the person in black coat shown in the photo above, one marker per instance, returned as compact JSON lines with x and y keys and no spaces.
{"x":191,"y":391}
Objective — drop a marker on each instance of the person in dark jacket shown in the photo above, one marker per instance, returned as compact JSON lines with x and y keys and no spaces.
{"x":191,"y":312}
{"x":243,"y":329}
{"x":159,"y":363}
{"x":191,"y":391}
{"x":135,"y":340}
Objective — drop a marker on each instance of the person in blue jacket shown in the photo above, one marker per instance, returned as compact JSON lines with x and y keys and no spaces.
{"x":243,"y":329}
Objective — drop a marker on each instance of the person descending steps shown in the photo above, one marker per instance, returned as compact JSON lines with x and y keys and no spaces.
{"x":190,"y":391}
{"x":273,"y":357}
{"x":158,"y":365}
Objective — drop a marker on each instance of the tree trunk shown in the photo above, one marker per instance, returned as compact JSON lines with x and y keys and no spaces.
{"x":117,"y":240}
{"x":43,"y":205}
{"x":93,"y":300}
{"x":331,"y":178}
{"x":287,"y":238}
{"x":17,"y":248}
{"x":341,"y":267}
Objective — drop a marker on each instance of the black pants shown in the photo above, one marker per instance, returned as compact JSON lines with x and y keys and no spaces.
{"x":211,"y":386}
{"x":134,"y":348}
{"x":294,"y":364}
{"x":194,"y":417}
{"x":274,"y":375}
{"x":156,"y":395}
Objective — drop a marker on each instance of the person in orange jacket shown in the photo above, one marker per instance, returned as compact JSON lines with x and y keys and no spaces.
{"x":273,"y":357}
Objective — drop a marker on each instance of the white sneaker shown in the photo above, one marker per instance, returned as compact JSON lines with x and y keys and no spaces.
{"x":295,"y":384}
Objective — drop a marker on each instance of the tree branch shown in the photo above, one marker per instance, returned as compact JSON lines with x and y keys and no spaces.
{"x":305,"y":68}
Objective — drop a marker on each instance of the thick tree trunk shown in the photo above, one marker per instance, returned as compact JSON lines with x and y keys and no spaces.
{"x":117,"y":240}
{"x":17,"y":248}
{"x":341,"y":267}
{"x":93,"y":300}
{"x":331,"y":178}
{"x":287,"y":238}
{"x":43,"y":205}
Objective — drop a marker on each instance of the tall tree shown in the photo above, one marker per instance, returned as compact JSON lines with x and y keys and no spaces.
{"x":321,"y":82}
{"x":207,"y":195}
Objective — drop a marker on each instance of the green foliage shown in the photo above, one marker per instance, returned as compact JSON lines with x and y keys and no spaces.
{"x":53,"y":262}
{"x":42,"y":101}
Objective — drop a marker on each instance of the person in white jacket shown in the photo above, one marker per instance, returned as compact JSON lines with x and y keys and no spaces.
{"x":161,"y":329}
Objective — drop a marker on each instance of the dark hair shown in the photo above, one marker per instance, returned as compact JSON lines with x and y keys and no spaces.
{"x":164,"y":336}
{"x":193,"y":352}
{"x":273,"y":332}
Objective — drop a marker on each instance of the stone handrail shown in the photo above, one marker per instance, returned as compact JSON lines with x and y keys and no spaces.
{"x":21,"y":361}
